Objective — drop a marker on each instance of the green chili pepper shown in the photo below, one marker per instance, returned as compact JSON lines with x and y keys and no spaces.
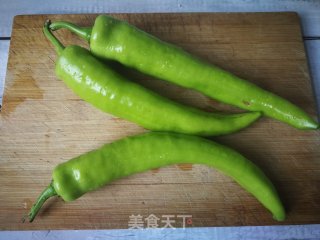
{"x":105,"y":89}
{"x":135,"y":154}
{"x":114,"y":39}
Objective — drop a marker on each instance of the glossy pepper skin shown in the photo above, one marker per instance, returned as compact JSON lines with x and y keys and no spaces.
{"x":110,"y":92}
{"x":135,"y":154}
{"x":117,"y":40}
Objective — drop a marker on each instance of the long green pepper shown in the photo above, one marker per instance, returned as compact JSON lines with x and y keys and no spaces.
{"x":110,"y":92}
{"x":117,"y":40}
{"x":90,"y":171}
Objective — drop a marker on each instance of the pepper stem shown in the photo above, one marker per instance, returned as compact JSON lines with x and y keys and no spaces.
{"x":83,"y":32}
{"x":47,"y":193}
{"x":56,"y":43}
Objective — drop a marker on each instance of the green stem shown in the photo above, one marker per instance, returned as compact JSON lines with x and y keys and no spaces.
{"x":47,"y":193}
{"x":56,"y":43}
{"x":83,"y":32}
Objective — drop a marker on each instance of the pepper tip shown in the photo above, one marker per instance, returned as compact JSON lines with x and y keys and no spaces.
{"x":47,"y":22}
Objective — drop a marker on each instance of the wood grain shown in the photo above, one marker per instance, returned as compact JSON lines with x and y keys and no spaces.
{"x":43,"y":123}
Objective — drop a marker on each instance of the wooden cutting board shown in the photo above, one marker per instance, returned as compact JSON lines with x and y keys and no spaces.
{"x":43,"y":123}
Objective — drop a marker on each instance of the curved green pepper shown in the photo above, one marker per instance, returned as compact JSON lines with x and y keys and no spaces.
{"x":114,"y":39}
{"x":105,"y":89}
{"x":135,"y":154}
